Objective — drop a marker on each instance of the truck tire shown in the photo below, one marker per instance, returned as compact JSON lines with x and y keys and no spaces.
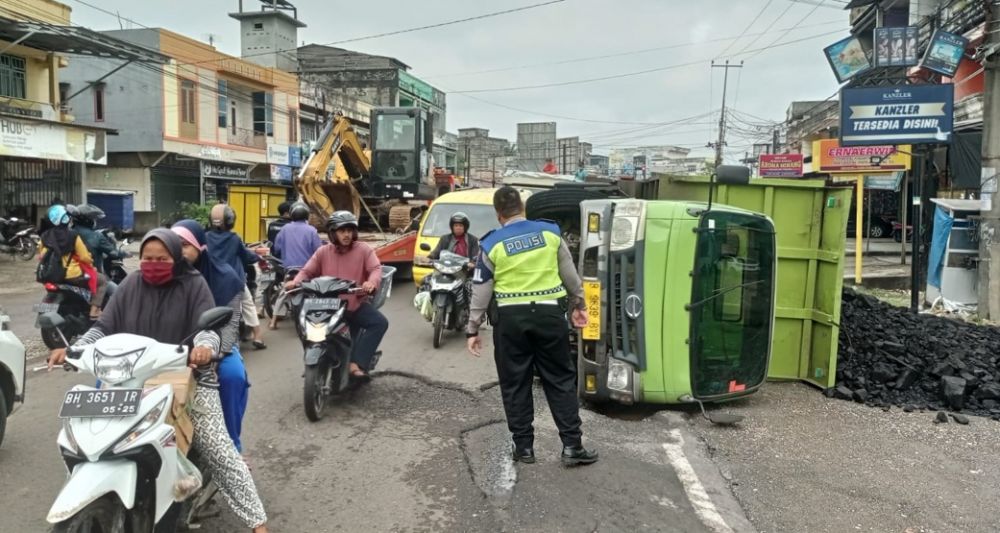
{"x":559,"y":201}
{"x":3,"y":415}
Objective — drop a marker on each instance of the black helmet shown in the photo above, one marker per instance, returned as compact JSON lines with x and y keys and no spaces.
{"x":223,"y":217}
{"x":299,"y":211}
{"x":340,"y":219}
{"x":459,"y":218}
{"x":284,"y":208}
{"x":85,"y":214}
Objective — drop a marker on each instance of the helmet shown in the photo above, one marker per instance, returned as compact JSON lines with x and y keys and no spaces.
{"x":85,"y":214}
{"x":459,"y":218}
{"x":299,"y":211}
{"x":223,"y":217}
{"x":58,"y":215}
{"x":340,"y":219}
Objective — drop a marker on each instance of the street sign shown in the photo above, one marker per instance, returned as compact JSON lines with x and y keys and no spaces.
{"x":945,"y":53}
{"x":831,"y":158}
{"x":884,"y":182}
{"x":897,"y":115}
{"x":847,"y":58}
{"x":780,"y":165}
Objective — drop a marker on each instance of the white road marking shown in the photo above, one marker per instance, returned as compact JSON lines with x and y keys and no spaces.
{"x":703,"y":506}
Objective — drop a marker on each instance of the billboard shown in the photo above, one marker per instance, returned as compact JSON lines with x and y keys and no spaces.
{"x":945,"y":53}
{"x":780,"y":165}
{"x":895,"y":47}
{"x":897,"y":115}
{"x":830,"y":157}
{"x":847,"y":58}
{"x":40,"y":140}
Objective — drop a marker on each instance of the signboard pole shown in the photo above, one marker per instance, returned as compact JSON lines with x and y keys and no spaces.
{"x":859,"y":228}
{"x":904,"y":209}
{"x":989,"y":249}
{"x":918,"y":219}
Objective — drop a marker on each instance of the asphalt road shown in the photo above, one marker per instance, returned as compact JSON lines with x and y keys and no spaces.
{"x":423,"y":447}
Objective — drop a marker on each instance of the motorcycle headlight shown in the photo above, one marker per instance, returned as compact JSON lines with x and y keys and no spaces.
{"x":144,"y":425}
{"x":450,"y":270}
{"x":115,"y":369}
{"x":315,"y":332}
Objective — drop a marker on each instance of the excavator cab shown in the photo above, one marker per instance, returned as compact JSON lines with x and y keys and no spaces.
{"x":402,"y":153}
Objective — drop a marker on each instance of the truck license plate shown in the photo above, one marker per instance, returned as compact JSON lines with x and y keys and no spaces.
{"x":100,"y":403}
{"x":592,"y":297}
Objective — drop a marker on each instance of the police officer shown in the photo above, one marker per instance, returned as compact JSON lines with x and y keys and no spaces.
{"x":528,"y":268}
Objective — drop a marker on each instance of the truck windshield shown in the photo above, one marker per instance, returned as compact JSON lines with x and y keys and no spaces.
{"x":482,"y":218}
{"x":396,"y":132}
{"x":731,"y":309}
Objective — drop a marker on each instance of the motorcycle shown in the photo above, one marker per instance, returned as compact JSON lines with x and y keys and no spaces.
{"x":448,"y":287}
{"x":71,"y":302}
{"x":327,"y":339}
{"x":272,"y":274}
{"x":114,"y":269}
{"x":18,"y":238}
{"x":125,"y":472}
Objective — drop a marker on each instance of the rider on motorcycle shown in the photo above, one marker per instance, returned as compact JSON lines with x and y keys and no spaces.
{"x":459,"y":241}
{"x":85,"y":219}
{"x":297,"y":241}
{"x":163,"y":300}
{"x":227,"y":291}
{"x":76,"y":258}
{"x":223,"y":243}
{"x":275,"y":227}
{"x":346,"y":258}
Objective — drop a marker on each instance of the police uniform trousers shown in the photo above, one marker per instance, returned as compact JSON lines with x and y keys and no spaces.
{"x":531,"y":337}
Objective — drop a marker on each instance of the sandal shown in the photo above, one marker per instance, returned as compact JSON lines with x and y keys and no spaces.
{"x":259,"y":345}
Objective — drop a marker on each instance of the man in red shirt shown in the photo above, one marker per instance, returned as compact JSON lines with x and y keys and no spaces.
{"x":346,"y":258}
{"x":550,"y":167}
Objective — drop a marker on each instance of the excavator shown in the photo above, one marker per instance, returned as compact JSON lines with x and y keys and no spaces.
{"x":384,"y":187}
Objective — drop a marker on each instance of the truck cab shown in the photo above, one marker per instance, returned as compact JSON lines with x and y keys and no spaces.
{"x":680,"y":299}
{"x":12,"y":369}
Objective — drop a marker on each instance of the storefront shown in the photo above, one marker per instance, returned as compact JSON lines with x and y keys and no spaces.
{"x":42,"y":160}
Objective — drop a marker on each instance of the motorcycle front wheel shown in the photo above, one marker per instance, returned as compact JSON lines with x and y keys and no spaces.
{"x":438,"y":322}
{"x":313,"y":395}
{"x":26,"y":249}
{"x":106,"y":515}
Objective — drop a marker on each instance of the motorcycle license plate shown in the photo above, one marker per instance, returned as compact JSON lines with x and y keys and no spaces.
{"x":322,"y":303}
{"x":46,"y":308}
{"x":267,"y":277}
{"x":100,"y":403}
{"x":592,"y":297}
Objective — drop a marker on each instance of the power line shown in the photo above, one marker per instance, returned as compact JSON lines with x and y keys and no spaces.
{"x":635,"y":73}
{"x":746,"y":29}
{"x":768,"y":29}
{"x":782,"y":36}
{"x":614,"y":55}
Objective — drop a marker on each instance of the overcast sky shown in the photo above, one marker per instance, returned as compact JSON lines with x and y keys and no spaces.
{"x":452,"y":58}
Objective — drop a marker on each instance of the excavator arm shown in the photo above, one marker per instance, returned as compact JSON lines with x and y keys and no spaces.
{"x":325,"y":189}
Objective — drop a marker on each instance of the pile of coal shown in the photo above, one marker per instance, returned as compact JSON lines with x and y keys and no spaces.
{"x":891,"y":357}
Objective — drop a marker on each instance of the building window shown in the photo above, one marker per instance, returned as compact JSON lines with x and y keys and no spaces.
{"x":293,"y":126}
{"x":188,"y":102}
{"x":12,"y":76}
{"x":99,"y":103}
{"x":223,"y":102}
{"x":263,"y":113}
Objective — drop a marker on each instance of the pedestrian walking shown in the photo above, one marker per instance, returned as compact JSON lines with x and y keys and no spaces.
{"x":526,"y":266}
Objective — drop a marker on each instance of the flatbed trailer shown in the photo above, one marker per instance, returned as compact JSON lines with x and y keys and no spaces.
{"x":395,"y":249}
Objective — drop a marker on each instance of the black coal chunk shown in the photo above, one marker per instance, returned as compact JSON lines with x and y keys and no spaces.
{"x":889,"y":356}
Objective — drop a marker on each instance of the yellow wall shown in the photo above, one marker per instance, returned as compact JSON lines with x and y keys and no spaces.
{"x":44,"y":10}
{"x":171,"y":102}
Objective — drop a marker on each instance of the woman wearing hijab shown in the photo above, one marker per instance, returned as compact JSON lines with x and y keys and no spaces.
{"x":76,"y":258}
{"x":227,"y":290}
{"x":163,"y":300}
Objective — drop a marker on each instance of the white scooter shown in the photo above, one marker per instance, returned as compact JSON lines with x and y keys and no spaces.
{"x":125,"y":471}
{"x":12,"y":369}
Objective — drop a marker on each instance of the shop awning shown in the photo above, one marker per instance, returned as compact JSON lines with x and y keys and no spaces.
{"x":74,"y":40}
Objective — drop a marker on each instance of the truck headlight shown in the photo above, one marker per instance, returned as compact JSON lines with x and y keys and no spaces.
{"x":625,"y":224}
{"x":618,"y":376}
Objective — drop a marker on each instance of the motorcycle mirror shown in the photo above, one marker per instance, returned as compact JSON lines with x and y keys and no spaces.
{"x":425,"y":247}
{"x":51,"y":319}
{"x":214,"y":318}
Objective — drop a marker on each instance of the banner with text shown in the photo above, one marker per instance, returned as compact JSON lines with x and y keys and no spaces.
{"x":22,"y":138}
{"x":829,"y":157}
{"x":897,"y":115}
{"x":780,"y":165}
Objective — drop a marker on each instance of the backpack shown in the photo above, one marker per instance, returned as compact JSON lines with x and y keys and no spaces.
{"x":51,"y":269}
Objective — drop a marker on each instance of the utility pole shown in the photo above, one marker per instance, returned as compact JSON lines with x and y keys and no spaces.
{"x":722,"y":116}
{"x":989,"y":236}
{"x":776,"y":144}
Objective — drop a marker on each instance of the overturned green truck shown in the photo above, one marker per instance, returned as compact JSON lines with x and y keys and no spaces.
{"x":682,"y":294}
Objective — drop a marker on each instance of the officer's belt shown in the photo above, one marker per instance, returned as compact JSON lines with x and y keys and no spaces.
{"x":536,"y":302}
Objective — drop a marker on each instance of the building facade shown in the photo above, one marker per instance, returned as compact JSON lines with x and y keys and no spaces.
{"x":191,"y":127}
{"x":484,"y":158}
{"x":44,"y":150}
